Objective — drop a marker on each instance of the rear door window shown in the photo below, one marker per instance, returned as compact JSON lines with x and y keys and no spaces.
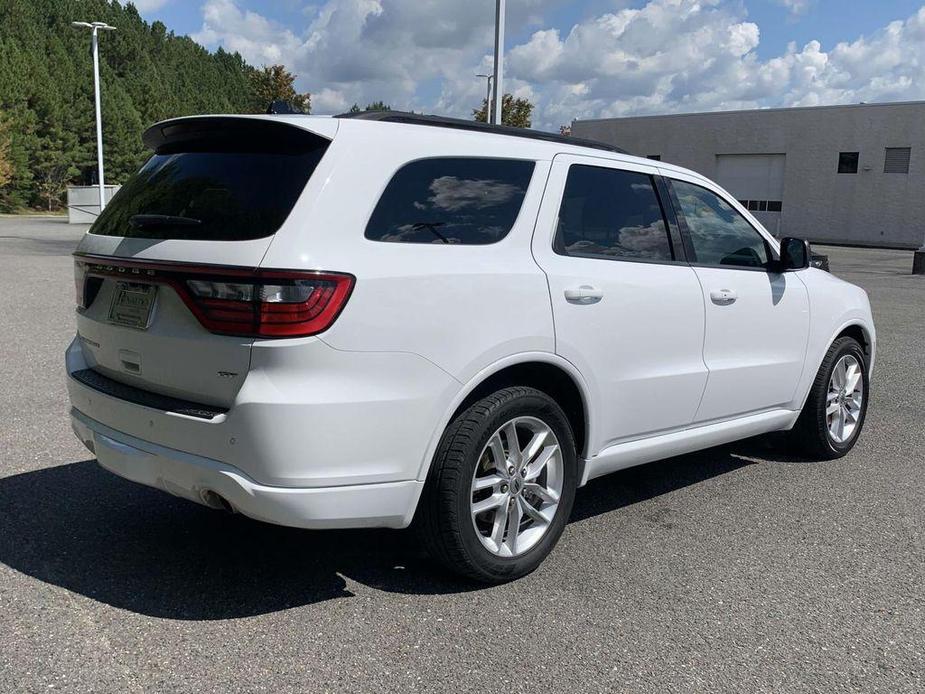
{"x":227,"y":183}
{"x":611,"y":213}
{"x":451,"y":200}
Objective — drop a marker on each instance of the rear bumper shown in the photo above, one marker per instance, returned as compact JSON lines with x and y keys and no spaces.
{"x":193,"y":477}
{"x":306,"y":416}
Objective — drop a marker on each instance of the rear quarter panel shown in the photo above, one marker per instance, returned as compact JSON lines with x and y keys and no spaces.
{"x":460,"y":307}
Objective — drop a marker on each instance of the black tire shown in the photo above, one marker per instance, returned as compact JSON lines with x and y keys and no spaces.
{"x":810,"y":436}
{"x":444,"y":517}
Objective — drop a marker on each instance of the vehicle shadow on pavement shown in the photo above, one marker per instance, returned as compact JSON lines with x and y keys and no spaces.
{"x":86,"y":530}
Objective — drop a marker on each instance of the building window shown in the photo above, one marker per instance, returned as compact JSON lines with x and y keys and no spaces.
{"x":654,"y":157}
{"x":848,"y":162}
{"x":762,"y":205}
{"x":897,"y":160}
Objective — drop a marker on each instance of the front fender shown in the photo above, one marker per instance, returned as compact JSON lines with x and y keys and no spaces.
{"x":835,"y":306}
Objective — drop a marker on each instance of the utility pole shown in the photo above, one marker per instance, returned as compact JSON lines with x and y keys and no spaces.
{"x":499,"y":62}
{"x":489,"y":78}
{"x":96,"y":27}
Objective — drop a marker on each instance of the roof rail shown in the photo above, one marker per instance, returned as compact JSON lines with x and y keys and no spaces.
{"x":460,"y":124}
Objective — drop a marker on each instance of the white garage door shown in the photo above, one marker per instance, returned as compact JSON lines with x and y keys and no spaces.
{"x":757,"y":181}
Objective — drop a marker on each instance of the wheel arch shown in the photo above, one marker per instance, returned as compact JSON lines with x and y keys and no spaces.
{"x":859,"y":332}
{"x":545,"y":371}
{"x":856,"y":328}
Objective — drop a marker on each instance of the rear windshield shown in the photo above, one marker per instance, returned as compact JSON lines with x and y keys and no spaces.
{"x":217,"y":184}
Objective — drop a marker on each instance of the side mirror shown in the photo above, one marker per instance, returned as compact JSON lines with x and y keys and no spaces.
{"x":794,"y":254}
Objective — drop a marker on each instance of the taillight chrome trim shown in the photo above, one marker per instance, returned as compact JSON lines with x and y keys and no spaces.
{"x":176,"y":274}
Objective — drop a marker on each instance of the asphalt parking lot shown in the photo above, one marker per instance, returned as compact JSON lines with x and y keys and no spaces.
{"x":737,"y":569}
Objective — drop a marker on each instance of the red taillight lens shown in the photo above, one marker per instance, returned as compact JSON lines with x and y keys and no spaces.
{"x":232,"y":300}
{"x":276,"y":305}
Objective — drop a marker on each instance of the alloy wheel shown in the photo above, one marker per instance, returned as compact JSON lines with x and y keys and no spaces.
{"x":845,"y":399}
{"x":516,"y":486}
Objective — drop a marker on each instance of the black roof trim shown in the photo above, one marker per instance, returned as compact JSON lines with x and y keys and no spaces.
{"x":460,"y":124}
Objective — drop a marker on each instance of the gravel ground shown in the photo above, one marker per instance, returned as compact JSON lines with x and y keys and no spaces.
{"x":732,"y":570}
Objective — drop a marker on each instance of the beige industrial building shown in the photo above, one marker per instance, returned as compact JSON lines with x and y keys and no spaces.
{"x":838,"y":174}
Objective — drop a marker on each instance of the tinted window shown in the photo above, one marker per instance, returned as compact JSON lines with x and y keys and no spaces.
{"x":216,"y":190}
{"x":451,"y":200}
{"x":612,"y":214}
{"x":719,"y":235}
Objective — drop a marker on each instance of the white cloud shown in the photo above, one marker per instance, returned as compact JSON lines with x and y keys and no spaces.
{"x":667,"y":56}
{"x":796,"y":7}
{"x":699,"y":55}
{"x":258,"y":39}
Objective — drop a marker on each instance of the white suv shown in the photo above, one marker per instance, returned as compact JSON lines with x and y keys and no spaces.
{"x":368,"y":321}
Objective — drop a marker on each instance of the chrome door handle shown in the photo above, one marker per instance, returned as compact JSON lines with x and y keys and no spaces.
{"x":723,"y":297}
{"x":585,"y":294}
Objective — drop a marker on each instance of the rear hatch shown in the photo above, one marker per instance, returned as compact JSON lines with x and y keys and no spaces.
{"x":169,"y":292}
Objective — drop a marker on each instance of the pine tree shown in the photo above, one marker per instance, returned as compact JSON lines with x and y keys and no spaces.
{"x":147,"y":72}
{"x":6,"y":160}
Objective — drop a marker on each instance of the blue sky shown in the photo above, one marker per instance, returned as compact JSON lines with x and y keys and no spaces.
{"x":592,"y":58}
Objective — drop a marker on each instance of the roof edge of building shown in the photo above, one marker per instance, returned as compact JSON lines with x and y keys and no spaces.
{"x":776,"y":109}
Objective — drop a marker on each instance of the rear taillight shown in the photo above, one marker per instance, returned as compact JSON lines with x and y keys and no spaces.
{"x":86,"y":286}
{"x":277,"y":305}
{"x":80,"y":276}
{"x":232,"y":301}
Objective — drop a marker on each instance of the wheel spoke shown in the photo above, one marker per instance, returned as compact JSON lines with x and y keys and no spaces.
{"x":513,"y":446}
{"x":832,"y":408}
{"x":497,"y":454}
{"x":841,"y":374}
{"x":535,"y":445}
{"x":499,"y":525}
{"x":514,"y":516}
{"x":840,"y":424}
{"x":541,"y":491}
{"x":493,"y":501}
{"x":529,"y":510}
{"x":486,"y":482}
{"x":536,"y":467}
{"x":852,"y":377}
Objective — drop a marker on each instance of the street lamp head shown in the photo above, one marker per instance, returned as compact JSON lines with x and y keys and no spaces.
{"x":102,"y":26}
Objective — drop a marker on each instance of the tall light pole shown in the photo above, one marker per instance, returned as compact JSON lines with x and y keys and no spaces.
{"x":97,"y":27}
{"x":489,"y":78}
{"x":499,"y":61}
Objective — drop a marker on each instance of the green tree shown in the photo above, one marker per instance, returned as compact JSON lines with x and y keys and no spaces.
{"x":375,"y":106}
{"x":6,"y":161}
{"x":275,"y":83}
{"x":514,"y":112}
{"x":148,"y":74}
